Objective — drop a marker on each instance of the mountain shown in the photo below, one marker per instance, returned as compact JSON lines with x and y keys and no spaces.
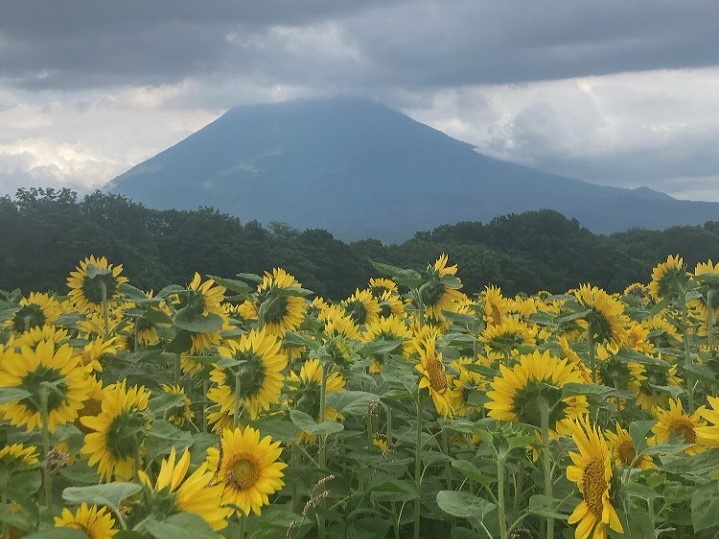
{"x":360,"y":170}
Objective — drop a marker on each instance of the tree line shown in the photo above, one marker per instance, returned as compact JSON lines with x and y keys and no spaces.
{"x":46,"y":232}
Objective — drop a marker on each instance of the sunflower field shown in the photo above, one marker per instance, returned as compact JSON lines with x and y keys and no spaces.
{"x":250,"y":407}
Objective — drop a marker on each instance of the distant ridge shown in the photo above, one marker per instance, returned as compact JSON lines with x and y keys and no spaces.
{"x":360,"y":169}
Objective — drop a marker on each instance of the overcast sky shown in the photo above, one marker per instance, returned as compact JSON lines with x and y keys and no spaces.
{"x":618,"y":92}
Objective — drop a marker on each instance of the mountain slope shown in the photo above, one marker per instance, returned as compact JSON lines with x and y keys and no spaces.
{"x":362,"y":170}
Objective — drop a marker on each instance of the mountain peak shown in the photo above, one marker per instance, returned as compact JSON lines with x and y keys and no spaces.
{"x":360,"y":169}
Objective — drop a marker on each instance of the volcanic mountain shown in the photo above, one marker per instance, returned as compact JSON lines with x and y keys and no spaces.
{"x":360,"y":170}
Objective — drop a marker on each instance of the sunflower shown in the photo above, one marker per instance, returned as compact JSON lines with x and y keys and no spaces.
{"x":592,"y":472}
{"x":606,"y":320}
{"x":36,"y":310}
{"x":93,"y":281}
{"x":379,"y":286}
{"x":278,"y":311}
{"x":247,"y":467}
{"x":708,"y":435}
{"x":306,"y":392}
{"x":507,"y":335}
{"x":637,"y":338}
{"x":33,"y":336}
{"x":29,"y":369}
{"x":518,"y":393}
{"x":468,"y":380}
{"x":646,"y":379}
{"x":387,"y":329}
{"x":260,"y":376}
{"x":622,"y":447}
{"x":441,"y":288}
{"x":203,"y":297}
{"x":362,"y":307}
{"x":675,"y":422}
{"x":495,"y":305}
{"x":433,"y":376}
{"x":338,"y":323}
{"x":638,"y":291}
{"x":391,"y":305}
{"x":182,"y":413}
{"x":197,"y":494}
{"x":117,"y":432}
{"x":669,"y":279}
{"x":96,"y":523}
{"x":16,"y":457}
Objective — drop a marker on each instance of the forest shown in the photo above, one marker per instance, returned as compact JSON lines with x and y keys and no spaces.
{"x":46,"y":231}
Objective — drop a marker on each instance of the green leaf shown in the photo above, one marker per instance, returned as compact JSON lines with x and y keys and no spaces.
{"x":307,"y":424}
{"x":252,"y":277}
{"x":705,"y":506}
{"x":12,"y":394}
{"x":58,"y":533}
{"x":470,"y":471}
{"x":135,"y":294}
{"x":163,"y":435}
{"x":194,"y":323}
{"x":573,"y":316}
{"x":545,"y":506}
{"x":640,"y":525}
{"x":180,"y":526}
{"x":110,"y":494}
{"x":394,"y":490}
{"x":378,"y":348}
{"x":638,"y":431}
{"x":404,"y":277}
{"x":351,"y":402}
{"x":464,"y":504}
{"x":240,"y":287}
{"x":181,"y":343}
{"x":573,"y":388}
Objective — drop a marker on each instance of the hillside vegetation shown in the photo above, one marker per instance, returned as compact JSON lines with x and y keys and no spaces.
{"x":45,"y":232}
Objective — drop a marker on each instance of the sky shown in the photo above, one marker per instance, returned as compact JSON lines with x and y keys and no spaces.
{"x":613,"y":92}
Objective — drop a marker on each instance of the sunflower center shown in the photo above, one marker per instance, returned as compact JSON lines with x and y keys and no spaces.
{"x":32,"y":381}
{"x":385,"y":309}
{"x":102,"y":282}
{"x":432,"y":292}
{"x":528,"y":402}
{"x":435,"y":373}
{"x":626,"y":452}
{"x":28,"y":317}
{"x":126,"y":433}
{"x":357,"y":311}
{"x":594,"y":485}
{"x":244,"y":471}
{"x":684,"y":427}
{"x":600,"y":326}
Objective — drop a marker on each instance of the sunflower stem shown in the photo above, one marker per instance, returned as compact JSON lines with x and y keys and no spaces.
{"x":236,"y":403}
{"x":243,"y":526}
{"x":418,"y":465}
{"x":204,"y":403}
{"x":710,"y":321}
{"x":687,"y":355}
{"x":592,"y":357}
{"x":546,"y":463}
{"x":105,"y":311}
{"x":501,"y":498}
{"x":46,"y":474}
{"x":323,"y":447}
{"x":447,"y":466}
{"x":389,"y":426}
{"x":178,"y":368}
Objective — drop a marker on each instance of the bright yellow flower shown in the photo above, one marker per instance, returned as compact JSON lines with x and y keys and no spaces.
{"x":592,"y":472}
{"x":248,"y":468}
{"x":94,"y":280}
{"x":96,"y":523}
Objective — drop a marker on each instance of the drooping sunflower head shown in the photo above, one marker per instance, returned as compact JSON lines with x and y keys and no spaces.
{"x":248,"y":467}
{"x":117,"y":433}
{"x":669,"y":278}
{"x":36,"y":310}
{"x":591,"y":470}
{"x":536,"y":381}
{"x":391,"y":304}
{"x":202,"y":297}
{"x":606,"y":320}
{"x":173,"y":492}
{"x":94,"y":281}
{"x":362,"y":307}
{"x":97,"y":523}
{"x":17,"y":457}
{"x":258,"y":378}
{"x":55,"y":380}
{"x":338,"y":323}
{"x":647,"y":378}
{"x":280,"y":311}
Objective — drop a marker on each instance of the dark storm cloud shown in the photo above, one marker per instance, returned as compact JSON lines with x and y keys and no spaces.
{"x":423,"y":43}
